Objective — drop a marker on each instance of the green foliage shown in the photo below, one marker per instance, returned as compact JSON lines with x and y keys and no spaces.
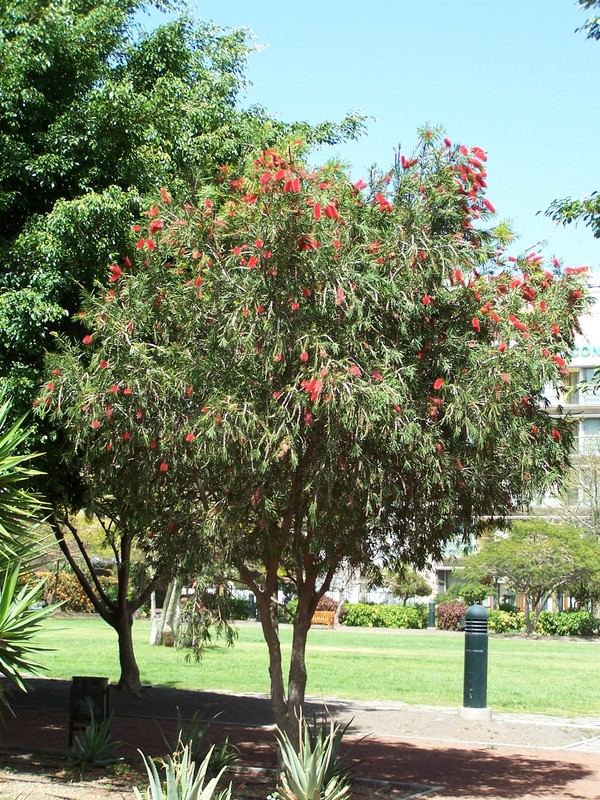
{"x":192,"y":735}
{"x":239,"y":608}
{"x":306,"y":774}
{"x":94,"y":747}
{"x":370,"y":616}
{"x":506,"y":621}
{"x":469,"y":591}
{"x":568,"y":623}
{"x":406,"y":583}
{"x":183,"y":781}
{"x":448,"y":616}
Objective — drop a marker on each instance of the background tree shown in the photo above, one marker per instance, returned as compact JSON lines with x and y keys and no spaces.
{"x":405,"y":583}
{"x":536,"y":559}
{"x":585,"y":209}
{"x":94,"y":115}
{"x":330,"y":372}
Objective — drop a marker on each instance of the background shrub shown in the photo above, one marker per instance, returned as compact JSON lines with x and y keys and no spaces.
{"x":65,"y":588}
{"x":449,"y":615}
{"x":506,"y":621}
{"x":370,"y":616}
{"x":567,"y":623}
{"x":238,"y":608}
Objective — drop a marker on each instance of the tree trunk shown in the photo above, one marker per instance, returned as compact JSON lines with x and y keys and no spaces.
{"x":528,"y":626}
{"x":122,"y":622}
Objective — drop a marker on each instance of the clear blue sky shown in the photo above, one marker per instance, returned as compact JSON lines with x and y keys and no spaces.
{"x":511,"y":76}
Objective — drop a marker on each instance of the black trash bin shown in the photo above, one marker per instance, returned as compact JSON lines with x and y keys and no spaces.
{"x":89,"y":695}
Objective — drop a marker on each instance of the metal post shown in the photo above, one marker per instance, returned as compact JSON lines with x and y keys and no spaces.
{"x":431,"y":614}
{"x":251,"y":606}
{"x":476,"y":661}
{"x":89,"y":695}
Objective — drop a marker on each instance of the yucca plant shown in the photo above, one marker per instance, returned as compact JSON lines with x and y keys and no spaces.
{"x":183,"y":780}
{"x":20,"y":548}
{"x":306,"y":774}
{"x":94,"y":747}
{"x":193,"y":734}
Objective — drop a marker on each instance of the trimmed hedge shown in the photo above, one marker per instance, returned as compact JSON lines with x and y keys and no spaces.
{"x":363,"y":615}
{"x":238,"y":608}
{"x":506,"y":622}
{"x":449,"y":615}
{"x":568,"y":623}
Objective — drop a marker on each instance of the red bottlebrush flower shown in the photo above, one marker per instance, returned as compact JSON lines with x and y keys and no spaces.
{"x":279,"y":175}
{"x":127,"y":390}
{"x":126,"y":436}
{"x":534,"y":429}
{"x":150,"y":244}
{"x":556,"y":330}
{"x":306,"y":242}
{"x":152,"y":445}
{"x":317,"y":211}
{"x":156,"y":225}
{"x":198,"y":281}
{"x":277,"y":357}
{"x":488,"y":205}
{"x":295,"y":306}
{"x":259,"y":243}
{"x":115,"y":273}
{"x":475,"y":325}
{"x":520,"y":326}
{"x":464,"y":150}
{"x":458,"y":276}
{"x":253,"y":261}
{"x":237,"y":250}
{"x":340,"y":296}
{"x":447,"y":142}
{"x":139,"y":415}
{"x":559,"y":360}
{"x":306,"y":292}
{"x":109,"y":411}
{"x":308,"y":418}
{"x":426,"y":300}
{"x":109,"y":446}
{"x":276,"y":395}
{"x":95,"y":424}
{"x":295,"y":184}
{"x":545,"y":352}
{"x":164,"y":466}
{"x":139,"y":244}
{"x":50,"y":387}
{"x":250,"y":199}
{"x":556,"y":434}
{"x":189,"y":437}
{"x":360,"y":184}
{"x":237,"y":183}
{"x":397,"y":408}
{"x":376,"y":375}
{"x":260,"y":309}
{"x":337,"y":244}
{"x":356,"y":370}
{"x":153,"y":212}
{"x":264,"y":178}
{"x":438,"y":383}
{"x":166,"y":197}
{"x":505,"y":377}
{"x":304,"y":356}
{"x":136,"y":228}
{"x":331,"y":211}
{"x":543,"y":305}
{"x":384,"y":205}
{"x":245,"y":311}
{"x":87,"y":339}
{"x":114,"y":388}
{"x":103,"y":364}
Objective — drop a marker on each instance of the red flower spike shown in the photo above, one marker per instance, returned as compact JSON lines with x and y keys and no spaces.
{"x":331,"y":211}
{"x":253,"y":261}
{"x":502,"y":347}
{"x":109,"y":411}
{"x":340,"y":296}
{"x":559,"y":360}
{"x":488,"y":205}
{"x":475,"y":325}
{"x":264,"y":178}
{"x":556,"y":434}
{"x":150,"y":244}
{"x":306,"y":292}
{"x":317,"y":211}
{"x":356,"y":370}
{"x":95,"y":424}
{"x":87,"y":339}
{"x":304,"y":356}
{"x":156,"y":225}
{"x":360,"y":184}
{"x":438,"y":383}
{"x":127,"y":390}
{"x":115,"y":273}
{"x":126,"y":436}
{"x":189,"y":437}
{"x":376,"y":375}
{"x":166,"y":197}
{"x":164,"y":466}
{"x":277,"y":357}
{"x":426,"y":300}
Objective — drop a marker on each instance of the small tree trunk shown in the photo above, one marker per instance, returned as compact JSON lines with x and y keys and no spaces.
{"x":170,"y":612}
{"x":528,"y":626}
{"x":130,"y":673}
{"x":156,"y":619}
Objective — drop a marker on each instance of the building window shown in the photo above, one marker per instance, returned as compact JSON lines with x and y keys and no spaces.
{"x":575,"y":393}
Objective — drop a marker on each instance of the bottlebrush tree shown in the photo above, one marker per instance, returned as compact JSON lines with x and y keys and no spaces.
{"x":309,"y":372}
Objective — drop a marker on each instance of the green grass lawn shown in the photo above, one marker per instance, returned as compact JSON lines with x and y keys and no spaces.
{"x":547,"y":676}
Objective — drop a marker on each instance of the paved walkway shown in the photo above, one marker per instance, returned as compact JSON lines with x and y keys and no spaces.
{"x":429,"y":751}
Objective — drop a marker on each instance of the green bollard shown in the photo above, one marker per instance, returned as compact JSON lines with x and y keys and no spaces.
{"x":476,"y":660}
{"x":431,"y":615}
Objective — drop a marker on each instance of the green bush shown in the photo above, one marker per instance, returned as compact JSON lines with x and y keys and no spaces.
{"x":238,"y":608}
{"x":506,"y":622}
{"x":568,"y":623}
{"x":449,"y":615}
{"x":369,"y":616}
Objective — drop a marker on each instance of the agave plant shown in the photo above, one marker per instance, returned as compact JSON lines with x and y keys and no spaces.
{"x":183,"y":780}
{"x":307,"y":774}
{"x":193,"y":734}
{"x":94,"y":746}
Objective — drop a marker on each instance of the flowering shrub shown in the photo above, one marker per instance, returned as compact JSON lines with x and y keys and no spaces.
{"x":449,"y":615}
{"x":568,"y":623}
{"x":369,"y":616}
{"x":66,"y":589}
{"x":327,"y":603}
{"x":506,"y":621}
